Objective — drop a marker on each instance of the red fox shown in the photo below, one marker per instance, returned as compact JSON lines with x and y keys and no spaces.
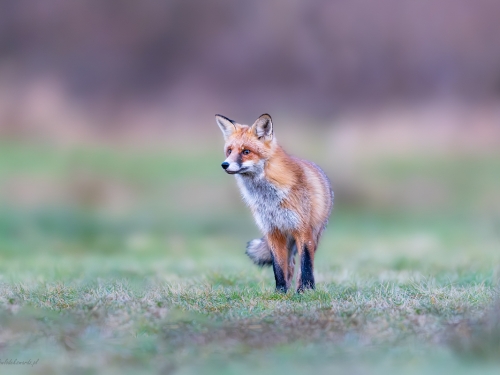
{"x":291,"y":199}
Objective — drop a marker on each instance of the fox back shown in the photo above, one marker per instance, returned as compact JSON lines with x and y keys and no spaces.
{"x":291,"y":199}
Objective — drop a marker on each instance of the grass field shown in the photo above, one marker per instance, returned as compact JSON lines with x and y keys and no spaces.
{"x":114,"y":261}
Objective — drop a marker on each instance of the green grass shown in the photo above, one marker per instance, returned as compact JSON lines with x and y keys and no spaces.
{"x":120,"y":262}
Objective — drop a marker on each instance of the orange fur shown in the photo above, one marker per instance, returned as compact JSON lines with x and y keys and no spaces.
{"x":290,"y":198}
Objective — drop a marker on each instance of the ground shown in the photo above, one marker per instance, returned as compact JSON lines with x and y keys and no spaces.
{"x":117,"y":261}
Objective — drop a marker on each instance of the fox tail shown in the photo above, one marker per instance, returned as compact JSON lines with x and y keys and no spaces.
{"x":259,"y":252}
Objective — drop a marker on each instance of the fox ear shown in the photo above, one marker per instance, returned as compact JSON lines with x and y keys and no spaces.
{"x":263,"y":127}
{"x":226,"y":125}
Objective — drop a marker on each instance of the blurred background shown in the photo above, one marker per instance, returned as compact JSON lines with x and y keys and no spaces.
{"x":109,"y":144}
{"x":70,"y":71}
{"x":107,"y":112}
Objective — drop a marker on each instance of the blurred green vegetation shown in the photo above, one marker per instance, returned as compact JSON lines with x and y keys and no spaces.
{"x":121,"y":261}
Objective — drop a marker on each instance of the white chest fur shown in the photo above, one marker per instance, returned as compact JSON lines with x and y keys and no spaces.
{"x":265,"y":200}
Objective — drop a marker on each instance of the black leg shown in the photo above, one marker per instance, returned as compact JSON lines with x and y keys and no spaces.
{"x":306,"y":275}
{"x":279,"y":276}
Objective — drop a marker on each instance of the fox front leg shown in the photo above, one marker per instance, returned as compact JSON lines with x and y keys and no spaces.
{"x":277,"y":242}
{"x":305,"y":277}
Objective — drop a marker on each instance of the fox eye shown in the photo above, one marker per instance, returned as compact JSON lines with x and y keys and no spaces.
{"x":228,"y":151}
{"x":246,"y":152}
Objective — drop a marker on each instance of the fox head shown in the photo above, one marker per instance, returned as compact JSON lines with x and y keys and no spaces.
{"x":247,"y":147}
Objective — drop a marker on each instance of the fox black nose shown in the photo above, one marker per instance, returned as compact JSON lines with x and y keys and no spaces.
{"x":225,"y":165}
